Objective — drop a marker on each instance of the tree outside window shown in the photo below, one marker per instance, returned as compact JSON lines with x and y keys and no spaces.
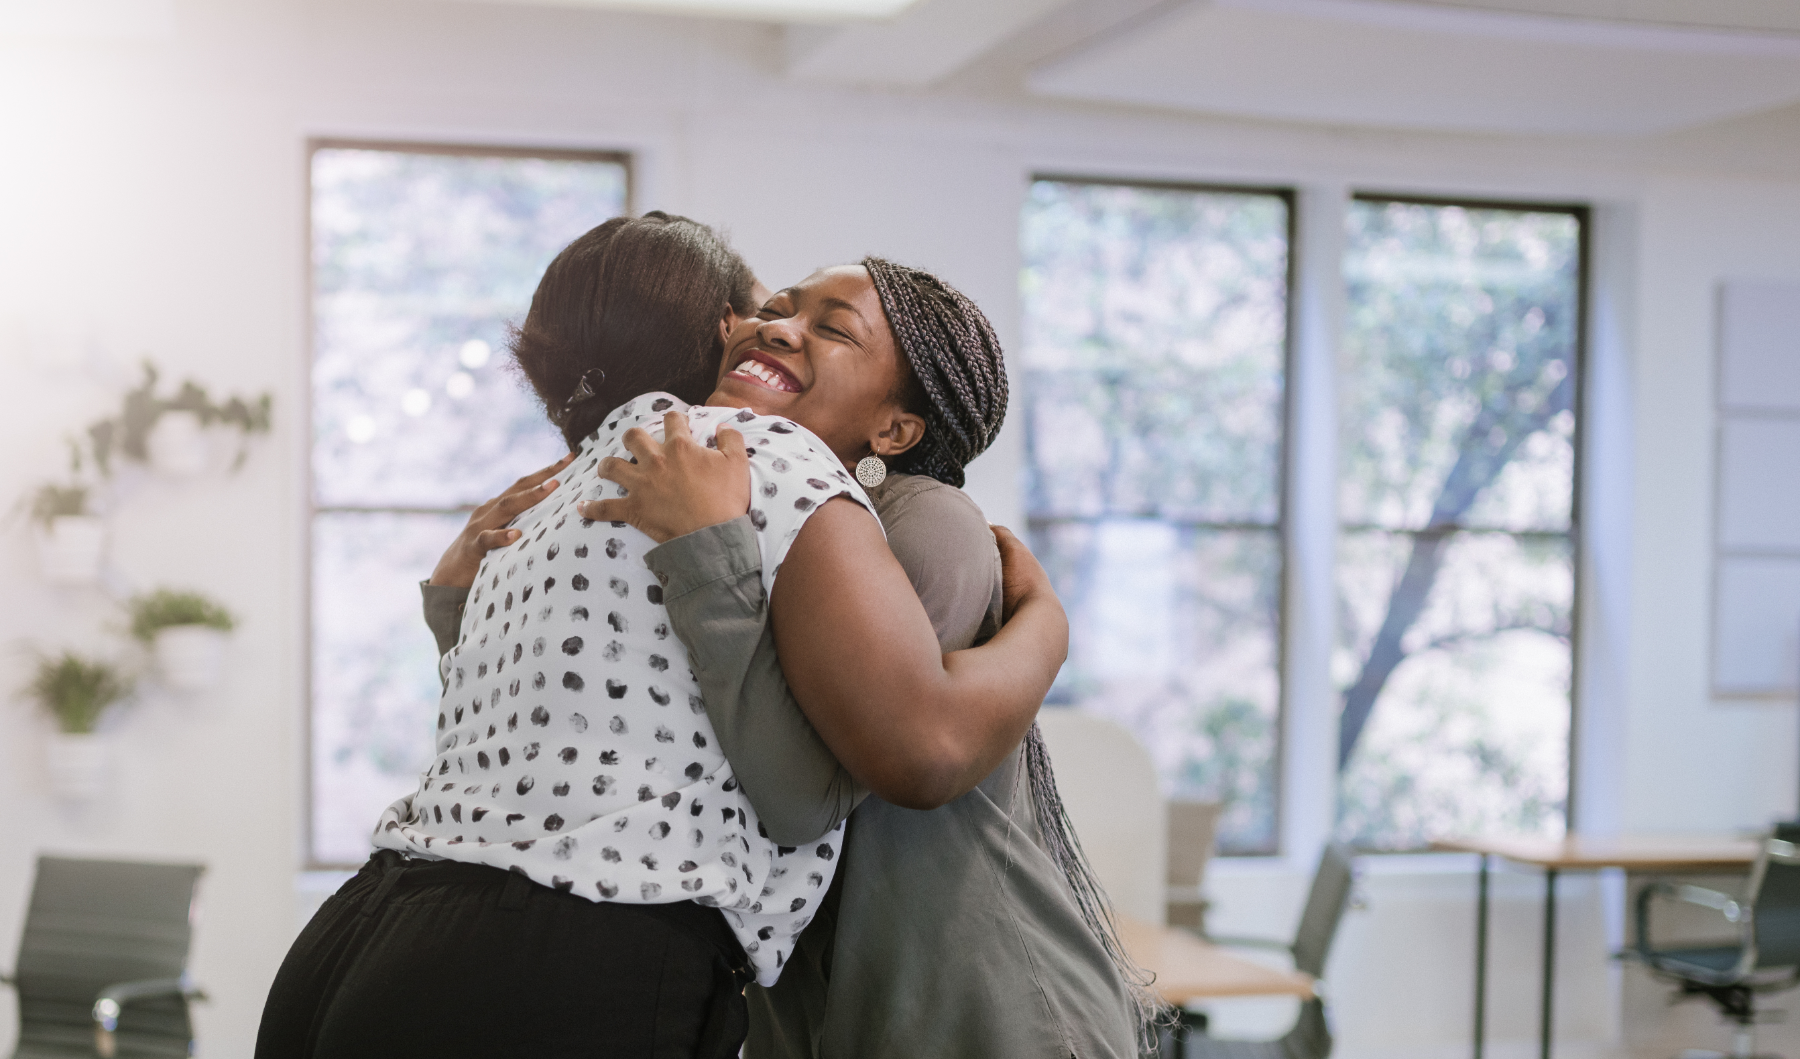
{"x":1154,"y":370}
{"x":1456,"y":558}
{"x":1153,"y":383}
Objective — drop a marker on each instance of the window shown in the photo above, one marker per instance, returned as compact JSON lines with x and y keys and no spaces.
{"x":420,"y":259}
{"x":1456,"y":554}
{"x":1153,"y":375}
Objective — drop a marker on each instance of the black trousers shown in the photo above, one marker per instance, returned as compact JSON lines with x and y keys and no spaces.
{"x":441,"y":959}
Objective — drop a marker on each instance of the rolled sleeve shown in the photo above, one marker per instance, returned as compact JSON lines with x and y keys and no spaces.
{"x":689,"y":563}
{"x":713,"y":588}
{"x":443,"y":612}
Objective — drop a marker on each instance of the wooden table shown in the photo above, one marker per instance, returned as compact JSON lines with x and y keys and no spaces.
{"x":1581,"y":853}
{"x":1188,"y":968}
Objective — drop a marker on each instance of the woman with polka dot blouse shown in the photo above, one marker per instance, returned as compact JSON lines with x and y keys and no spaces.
{"x":580,"y":870}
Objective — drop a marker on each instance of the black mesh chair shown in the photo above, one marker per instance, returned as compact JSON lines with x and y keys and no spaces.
{"x":1310,"y":1036}
{"x":1763,"y":957}
{"x":103,"y":961}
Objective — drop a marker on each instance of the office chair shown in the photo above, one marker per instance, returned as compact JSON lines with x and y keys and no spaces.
{"x":1108,"y":785}
{"x":1193,"y":827}
{"x":1310,"y":1036}
{"x":103,"y":961}
{"x":1763,"y":958}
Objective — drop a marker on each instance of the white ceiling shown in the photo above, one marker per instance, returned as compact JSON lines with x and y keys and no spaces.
{"x":1515,"y":66}
{"x":1773,"y":15}
{"x":1569,"y":67}
{"x":793,"y":11}
{"x":933,"y":39}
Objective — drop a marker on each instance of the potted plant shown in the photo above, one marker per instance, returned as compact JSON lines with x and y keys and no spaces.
{"x":71,"y":538}
{"x":177,"y":445}
{"x":185,"y":631}
{"x":75,"y":691}
{"x":172,"y":434}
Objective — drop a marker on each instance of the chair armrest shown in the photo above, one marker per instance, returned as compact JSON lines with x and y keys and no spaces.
{"x":1238,"y":942}
{"x":112,"y":1000}
{"x":1722,"y":903}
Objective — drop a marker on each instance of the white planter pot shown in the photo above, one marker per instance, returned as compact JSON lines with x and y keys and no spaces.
{"x":78,"y":765}
{"x":178,"y":445}
{"x":72,"y":549}
{"x":189,"y":657}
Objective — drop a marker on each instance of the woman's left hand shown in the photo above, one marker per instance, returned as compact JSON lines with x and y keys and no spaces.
{"x":487,"y":528}
{"x":1022,"y":577}
{"x":676,"y":486}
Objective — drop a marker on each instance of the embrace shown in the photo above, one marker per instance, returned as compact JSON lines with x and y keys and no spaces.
{"x":736,"y":748}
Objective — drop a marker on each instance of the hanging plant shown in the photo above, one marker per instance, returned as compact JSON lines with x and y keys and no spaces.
{"x":71,"y":538}
{"x":51,"y":502}
{"x":129,"y":433}
{"x":166,"y":608}
{"x":185,"y":632}
{"x":76,"y":690}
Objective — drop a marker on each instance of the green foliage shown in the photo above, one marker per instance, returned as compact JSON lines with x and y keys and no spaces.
{"x":77,"y":690}
{"x":1154,"y":349}
{"x":1154,"y":362}
{"x":1460,"y":415}
{"x":152,"y":612}
{"x":1230,"y":758}
{"x":1451,"y":770}
{"x":1461,"y":338}
{"x":52,"y":501}
{"x":128,"y":433}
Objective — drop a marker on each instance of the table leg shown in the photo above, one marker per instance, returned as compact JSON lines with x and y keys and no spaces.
{"x":1546,"y":1019}
{"x":1481,"y":944}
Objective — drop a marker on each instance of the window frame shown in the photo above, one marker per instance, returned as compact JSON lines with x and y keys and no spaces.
{"x":313,"y":509}
{"x":1584,"y":261}
{"x":1282,"y":526}
{"x":1291,"y":816}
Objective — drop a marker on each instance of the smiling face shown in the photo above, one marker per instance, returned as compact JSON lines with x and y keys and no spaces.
{"x":822,"y":354}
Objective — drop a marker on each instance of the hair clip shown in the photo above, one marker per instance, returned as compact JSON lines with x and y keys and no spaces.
{"x":584,"y":390}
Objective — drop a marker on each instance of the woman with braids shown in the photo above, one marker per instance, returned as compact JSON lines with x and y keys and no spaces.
{"x":957,"y":926}
{"x":579,"y":871}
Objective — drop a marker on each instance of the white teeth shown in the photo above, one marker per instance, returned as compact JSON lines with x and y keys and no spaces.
{"x":757,"y":370}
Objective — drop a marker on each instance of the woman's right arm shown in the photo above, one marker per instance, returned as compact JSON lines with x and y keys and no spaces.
{"x":917,"y":726}
{"x":920,"y":727}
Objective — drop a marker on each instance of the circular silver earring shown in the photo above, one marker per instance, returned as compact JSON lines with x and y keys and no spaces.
{"x":870,"y":470}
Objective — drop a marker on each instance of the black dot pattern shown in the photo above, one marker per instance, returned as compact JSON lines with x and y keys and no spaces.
{"x":576,"y":750}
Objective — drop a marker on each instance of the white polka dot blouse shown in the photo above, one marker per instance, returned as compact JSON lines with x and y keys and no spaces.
{"x":572,"y":743}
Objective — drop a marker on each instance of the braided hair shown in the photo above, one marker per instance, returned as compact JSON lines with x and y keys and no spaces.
{"x":958,"y":384}
{"x":955,"y":360}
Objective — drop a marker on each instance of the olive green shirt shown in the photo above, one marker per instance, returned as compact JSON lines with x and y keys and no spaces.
{"x":947,"y":933}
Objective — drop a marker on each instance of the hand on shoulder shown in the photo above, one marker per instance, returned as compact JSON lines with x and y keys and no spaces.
{"x":675,"y":486}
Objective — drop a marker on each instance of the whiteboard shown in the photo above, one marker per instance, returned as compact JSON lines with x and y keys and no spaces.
{"x":1756,"y":539}
{"x":1759,"y":346}
{"x":1756,"y":648}
{"x":1759,"y":484}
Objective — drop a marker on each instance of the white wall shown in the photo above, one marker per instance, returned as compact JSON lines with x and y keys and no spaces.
{"x":151,"y":201}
